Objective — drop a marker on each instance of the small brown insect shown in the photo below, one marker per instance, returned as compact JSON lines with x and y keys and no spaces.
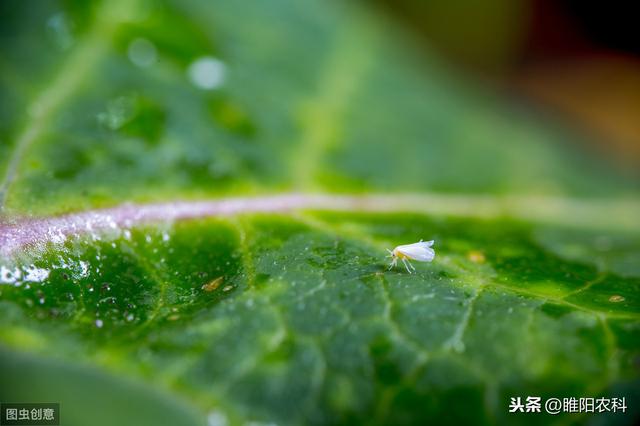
{"x":212,"y":285}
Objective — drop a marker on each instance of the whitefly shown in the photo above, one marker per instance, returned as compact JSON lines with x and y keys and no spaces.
{"x":420,"y":252}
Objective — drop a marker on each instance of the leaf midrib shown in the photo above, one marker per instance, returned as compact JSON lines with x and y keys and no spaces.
{"x":610,"y":214}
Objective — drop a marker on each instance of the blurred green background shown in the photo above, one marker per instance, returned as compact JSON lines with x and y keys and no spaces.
{"x":155,"y":100}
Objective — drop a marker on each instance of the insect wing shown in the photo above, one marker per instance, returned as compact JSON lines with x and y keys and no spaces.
{"x":418,"y":251}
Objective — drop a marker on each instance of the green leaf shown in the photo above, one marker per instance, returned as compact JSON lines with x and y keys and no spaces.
{"x":213,"y":300}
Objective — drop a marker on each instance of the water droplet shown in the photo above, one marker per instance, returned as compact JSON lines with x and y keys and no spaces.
{"x":216,"y":418}
{"x":9,"y":276}
{"x":59,"y":27}
{"x":142,"y":52}
{"x":206,"y":73}
{"x":84,"y":269}
{"x":35,"y":274}
{"x":118,"y":112}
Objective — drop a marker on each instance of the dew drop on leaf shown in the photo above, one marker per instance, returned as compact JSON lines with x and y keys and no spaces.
{"x":142,"y":52}
{"x":206,"y":73}
{"x":59,"y":27}
{"x":216,"y":418}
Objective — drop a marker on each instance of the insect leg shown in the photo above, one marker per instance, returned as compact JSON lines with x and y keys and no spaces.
{"x":394,"y":262}
{"x":411,"y":265}
{"x":405,"y":265}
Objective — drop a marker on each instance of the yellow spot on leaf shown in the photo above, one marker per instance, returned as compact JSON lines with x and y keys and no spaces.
{"x":476,"y":256}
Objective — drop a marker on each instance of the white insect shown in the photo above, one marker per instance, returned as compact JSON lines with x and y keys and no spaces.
{"x":420,"y":251}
